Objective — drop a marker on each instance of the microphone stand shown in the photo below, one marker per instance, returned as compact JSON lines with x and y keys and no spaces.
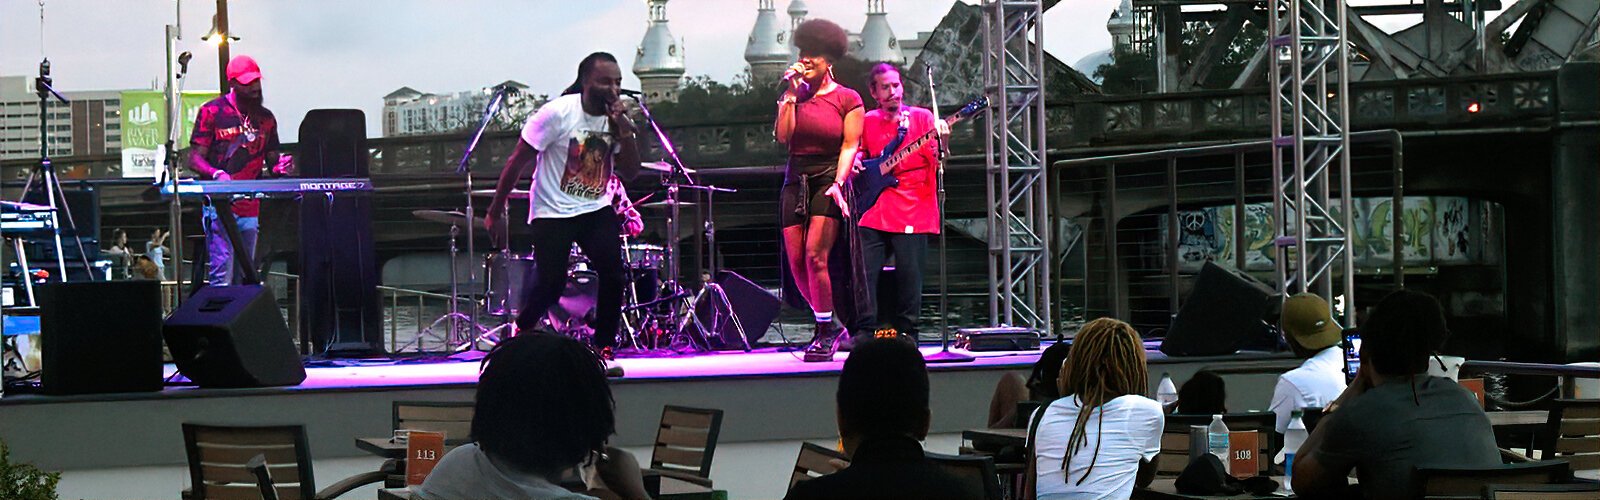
{"x":463,"y":168}
{"x":944,"y":355}
{"x":708,"y":286}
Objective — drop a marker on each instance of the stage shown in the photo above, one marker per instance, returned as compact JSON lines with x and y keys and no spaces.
{"x":766,"y":394}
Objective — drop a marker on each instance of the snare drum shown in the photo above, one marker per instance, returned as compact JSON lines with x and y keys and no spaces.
{"x":644,"y":256}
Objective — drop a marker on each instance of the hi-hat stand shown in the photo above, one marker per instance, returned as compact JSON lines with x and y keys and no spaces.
{"x":680,"y":302}
{"x":45,"y":173}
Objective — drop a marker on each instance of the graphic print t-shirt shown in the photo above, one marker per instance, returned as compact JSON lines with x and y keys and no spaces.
{"x":576,"y":151}
{"x":237,"y":143}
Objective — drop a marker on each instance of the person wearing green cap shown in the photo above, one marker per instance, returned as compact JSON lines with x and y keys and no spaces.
{"x":1307,"y":322}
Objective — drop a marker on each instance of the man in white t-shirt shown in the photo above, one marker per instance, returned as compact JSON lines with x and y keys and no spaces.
{"x":1308,"y":324}
{"x":572,"y":146}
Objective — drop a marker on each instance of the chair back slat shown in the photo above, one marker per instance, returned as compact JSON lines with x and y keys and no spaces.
{"x":1436,"y":483}
{"x":686,"y":439}
{"x":1573,"y":433}
{"x":453,"y":418}
{"x":977,"y":470}
{"x":1174,"y":453}
{"x":219,"y":457}
{"x":668,"y":456}
{"x":814,"y":462}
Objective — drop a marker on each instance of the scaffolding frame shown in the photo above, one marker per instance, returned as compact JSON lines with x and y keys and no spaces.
{"x":1311,"y":138}
{"x":1017,"y":193}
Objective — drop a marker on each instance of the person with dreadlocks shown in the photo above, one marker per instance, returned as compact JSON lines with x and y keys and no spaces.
{"x":540,"y":422}
{"x":1100,"y":439}
{"x":1395,"y":417}
{"x":570,"y":148}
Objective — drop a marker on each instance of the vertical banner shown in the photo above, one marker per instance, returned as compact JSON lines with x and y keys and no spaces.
{"x":144,"y":129}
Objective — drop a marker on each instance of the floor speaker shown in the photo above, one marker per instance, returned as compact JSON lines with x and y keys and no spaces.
{"x":1224,"y":313}
{"x":233,"y":336}
{"x":755,"y":307}
{"x":100,"y":336}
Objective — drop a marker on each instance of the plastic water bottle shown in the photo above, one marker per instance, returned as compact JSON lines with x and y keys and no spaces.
{"x":1294,"y":436}
{"x":1166,"y":393}
{"x":1217,"y":439}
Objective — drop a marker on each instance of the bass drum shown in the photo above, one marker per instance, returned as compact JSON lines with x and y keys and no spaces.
{"x":511,"y":280}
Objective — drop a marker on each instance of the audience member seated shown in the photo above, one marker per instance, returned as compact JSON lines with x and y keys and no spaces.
{"x":543,"y":414}
{"x":1203,"y":394}
{"x":1100,"y":439}
{"x":1307,"y":323}
{"x":1394,"y":417}
{"x":1040,"y":386}
{"x":883,"y":413}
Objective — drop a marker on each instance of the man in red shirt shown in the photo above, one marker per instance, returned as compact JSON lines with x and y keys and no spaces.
{"x":234,"y":138}
{"x":905,"y":214}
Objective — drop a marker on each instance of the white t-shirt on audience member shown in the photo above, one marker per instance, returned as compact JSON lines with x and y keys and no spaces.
{"x":1316,"y":382}
{"x":1131,"y":431}
{"x":466,"y":473}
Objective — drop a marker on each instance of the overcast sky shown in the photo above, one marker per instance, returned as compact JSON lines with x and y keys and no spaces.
{"x":348,"y":53}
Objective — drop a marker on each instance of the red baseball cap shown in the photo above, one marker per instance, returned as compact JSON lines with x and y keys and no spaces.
{"x":243,"y":69}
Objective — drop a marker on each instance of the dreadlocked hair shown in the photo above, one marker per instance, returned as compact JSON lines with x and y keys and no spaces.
{"x":1106,"y":362}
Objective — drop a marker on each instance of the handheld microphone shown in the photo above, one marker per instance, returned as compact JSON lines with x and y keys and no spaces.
{"x":791,"y":75}
{"x":183,"y":62}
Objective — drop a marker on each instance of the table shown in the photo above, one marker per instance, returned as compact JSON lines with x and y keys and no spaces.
{"x":382,"y":447}
{"x":1000,"y":437}
{"x":405,"y":494}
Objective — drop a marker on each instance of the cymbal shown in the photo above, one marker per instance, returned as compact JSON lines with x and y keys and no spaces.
{"x":667,"y":204}
{"x":661,"y":166}
{"x":446,"y":217}
{"x":515,"y":194}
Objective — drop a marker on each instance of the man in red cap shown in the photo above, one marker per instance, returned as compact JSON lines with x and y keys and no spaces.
{"x":235,"y":137}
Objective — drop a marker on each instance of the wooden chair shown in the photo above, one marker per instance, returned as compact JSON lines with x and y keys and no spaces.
{"x":1175,"y":439}
{"x":1468,"y":483}
{"x":1573,"y":433}
{"x":453,"y":418}
{"x":974,"y":469}
{"x":685,"y":445}
{"x":219,"y":459}
{"x":814,"y":462}
{"x":1585,"y":491}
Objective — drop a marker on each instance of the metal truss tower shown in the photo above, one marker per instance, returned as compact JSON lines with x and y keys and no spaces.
{"x":1017,"y":194}
{"x":1311,"y":145}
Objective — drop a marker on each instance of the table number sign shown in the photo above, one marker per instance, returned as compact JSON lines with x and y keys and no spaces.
{"x":423,"y":451}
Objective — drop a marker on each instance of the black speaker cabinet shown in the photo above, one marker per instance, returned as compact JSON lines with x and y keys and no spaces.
{"x":755,"y":307}
{"x":100,"y":336}
{"x":233,"y":336}
{"x":1223,"y":314}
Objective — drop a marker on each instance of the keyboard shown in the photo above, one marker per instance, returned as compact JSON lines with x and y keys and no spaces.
{"x":26,"y":219}
{"x":269,"y":187}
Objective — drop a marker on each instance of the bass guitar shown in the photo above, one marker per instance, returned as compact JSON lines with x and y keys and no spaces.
{"x":876,"y":173}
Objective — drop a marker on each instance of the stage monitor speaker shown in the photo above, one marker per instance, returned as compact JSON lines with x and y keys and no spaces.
{"x":755,"y":307}
{"x":100,"y":336}
{"x":233,"y":336}
{"x":1224,"y":313}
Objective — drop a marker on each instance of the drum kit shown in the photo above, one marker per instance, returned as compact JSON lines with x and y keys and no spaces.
{"x":658,"y":310}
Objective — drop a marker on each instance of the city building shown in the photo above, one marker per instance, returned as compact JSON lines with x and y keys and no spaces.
{"x":659,"y":62}
{"x":407,"y":111}
{"x":90,"y":125}
{"x":877,"y":42}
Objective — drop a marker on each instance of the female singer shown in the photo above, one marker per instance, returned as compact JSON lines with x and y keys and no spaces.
{"x":820,"y":122}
